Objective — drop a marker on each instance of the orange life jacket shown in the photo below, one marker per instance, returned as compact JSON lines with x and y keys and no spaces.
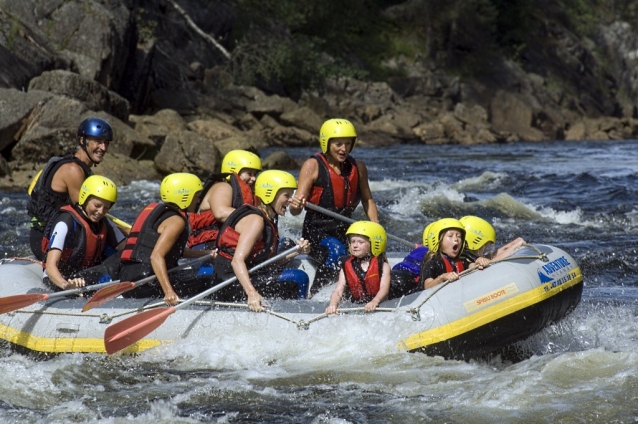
{"x":264,"y":248}
{"x":337,"y":193}
{"x":143,"y":235}
{"x":364,"y":289}
{"x":333,"y":191}
{"x":449,"y":267}
{"x":87,"y":246}
{"x":204,"y":226}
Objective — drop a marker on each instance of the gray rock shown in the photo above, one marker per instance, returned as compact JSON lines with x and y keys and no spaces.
{"x":188,"y":152}
{"x":88,"y":91}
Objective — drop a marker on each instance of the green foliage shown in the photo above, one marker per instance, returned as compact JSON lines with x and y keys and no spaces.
{"x":291,"y":45}
{"x":286,"y":66}
{"x":13,"y":32}
{"x":146,"y":26}
{"x":584,"y":15}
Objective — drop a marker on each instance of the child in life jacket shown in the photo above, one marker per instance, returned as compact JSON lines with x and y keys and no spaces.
{"x":365,"y":275}
{"x":444,"y":261}
{"x":81,"y":238}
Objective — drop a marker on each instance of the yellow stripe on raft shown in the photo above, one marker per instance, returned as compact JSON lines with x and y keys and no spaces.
{"x":487,"y":315}
{"x":67,"y":344}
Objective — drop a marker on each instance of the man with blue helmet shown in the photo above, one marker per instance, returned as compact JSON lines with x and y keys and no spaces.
{"x":58,"y":184}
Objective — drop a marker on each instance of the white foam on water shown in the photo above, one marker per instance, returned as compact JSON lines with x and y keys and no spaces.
{"x":487,"y":181}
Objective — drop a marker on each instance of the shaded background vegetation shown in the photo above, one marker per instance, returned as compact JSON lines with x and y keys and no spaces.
{"x":286,"y":46}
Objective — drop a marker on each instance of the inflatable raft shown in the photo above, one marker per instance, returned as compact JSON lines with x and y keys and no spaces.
{"x":484,"y":311}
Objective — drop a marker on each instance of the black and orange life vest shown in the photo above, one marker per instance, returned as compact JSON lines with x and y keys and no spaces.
{"x":338,"y":193}
{"x":44,"y":203}
{"x":88,"y":245}
{"x":264,"y":248}
{"x":363,"y":287}
{"x":204,"y":226}
{"x":457,"y":266}
{"x":143,"y":235}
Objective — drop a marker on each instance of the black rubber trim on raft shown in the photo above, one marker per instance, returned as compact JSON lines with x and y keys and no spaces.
{"x":509,"y":329}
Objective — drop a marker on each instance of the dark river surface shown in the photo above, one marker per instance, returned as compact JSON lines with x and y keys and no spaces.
{"x":579,"y":196}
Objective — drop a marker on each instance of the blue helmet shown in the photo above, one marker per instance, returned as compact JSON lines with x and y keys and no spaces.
{"x":95,"y":127}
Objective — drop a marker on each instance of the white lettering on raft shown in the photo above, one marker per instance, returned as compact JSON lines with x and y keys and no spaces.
{"x":556,"y":265}
{"x":489,"y":298}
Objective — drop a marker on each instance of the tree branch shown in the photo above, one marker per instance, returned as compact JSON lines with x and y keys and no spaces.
{"x":193,"y":25}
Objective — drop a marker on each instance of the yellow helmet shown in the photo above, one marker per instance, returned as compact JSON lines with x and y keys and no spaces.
{"x":437,"y":229}
{"x":374,"y":232}
{"x":426,"y":234}
{"x":98,"y":186}
{"x":34,"y":181}
{"x":180,"y":189}
{"x":478,"y":231}
{"x":268,"y":183}
{"x":334,"y":128}
{"x":236,"y":160}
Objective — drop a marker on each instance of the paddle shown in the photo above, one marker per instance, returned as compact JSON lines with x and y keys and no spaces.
{"x":130,"y":330}
{"x":108,"y":293}
{"x":118,"y":222}
{"x":345,"y":219}
{"x":18,"y":301}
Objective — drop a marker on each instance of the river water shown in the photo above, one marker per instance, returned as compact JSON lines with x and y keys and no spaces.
{"x":578,"y":196}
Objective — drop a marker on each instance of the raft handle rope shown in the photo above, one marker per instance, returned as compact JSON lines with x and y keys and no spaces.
{"x":8,"y":260}
{"x":302,"y":324}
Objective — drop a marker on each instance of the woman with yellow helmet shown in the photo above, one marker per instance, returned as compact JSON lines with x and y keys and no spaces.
{"x":223,"y":193}
{"x":335,"y":181}
{"x":249,"y":236}
{"x":444,"y":262}
{"x":365,"y":275}
{"x":158,"y":240}
{"x":81,"y":236}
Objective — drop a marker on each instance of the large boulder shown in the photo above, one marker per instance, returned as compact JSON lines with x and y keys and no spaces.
{"x":15,"y":108}
{"x":93,"y":94}
{"x":123,"y":170}
{"x":511,"y":114}
{"x":188,"y":152}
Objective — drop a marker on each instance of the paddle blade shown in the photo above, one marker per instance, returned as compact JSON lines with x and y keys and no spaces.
{"x":130,"y":330}
{"x":19,"y":301}
{"x":107,"y":293}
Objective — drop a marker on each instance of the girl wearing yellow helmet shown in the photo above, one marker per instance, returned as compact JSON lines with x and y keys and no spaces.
{"x":81,"y":236}
{"x":365,"y":275}
{"x":444,"y":261}
{"x":249,"y":236}
{"x":223,"y":193}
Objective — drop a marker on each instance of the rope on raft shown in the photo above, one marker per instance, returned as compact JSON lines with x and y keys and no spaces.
{"x":302,"y":324}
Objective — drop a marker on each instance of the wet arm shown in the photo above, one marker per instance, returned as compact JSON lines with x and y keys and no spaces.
{"x":337,"y":294}
{"x":250,"y":229}
{"x":384,"y":289}
{"x":368,"y":203}
{"x":169,"y":230}
{"x":220,"y":198}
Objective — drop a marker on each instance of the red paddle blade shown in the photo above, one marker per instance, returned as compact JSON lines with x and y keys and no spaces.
{"x":107,"y":293}
{"x":19,"y":301}
{"x":130,"y":330}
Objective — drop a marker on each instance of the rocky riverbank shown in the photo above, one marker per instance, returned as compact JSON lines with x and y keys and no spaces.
{"x":174,"y":109}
